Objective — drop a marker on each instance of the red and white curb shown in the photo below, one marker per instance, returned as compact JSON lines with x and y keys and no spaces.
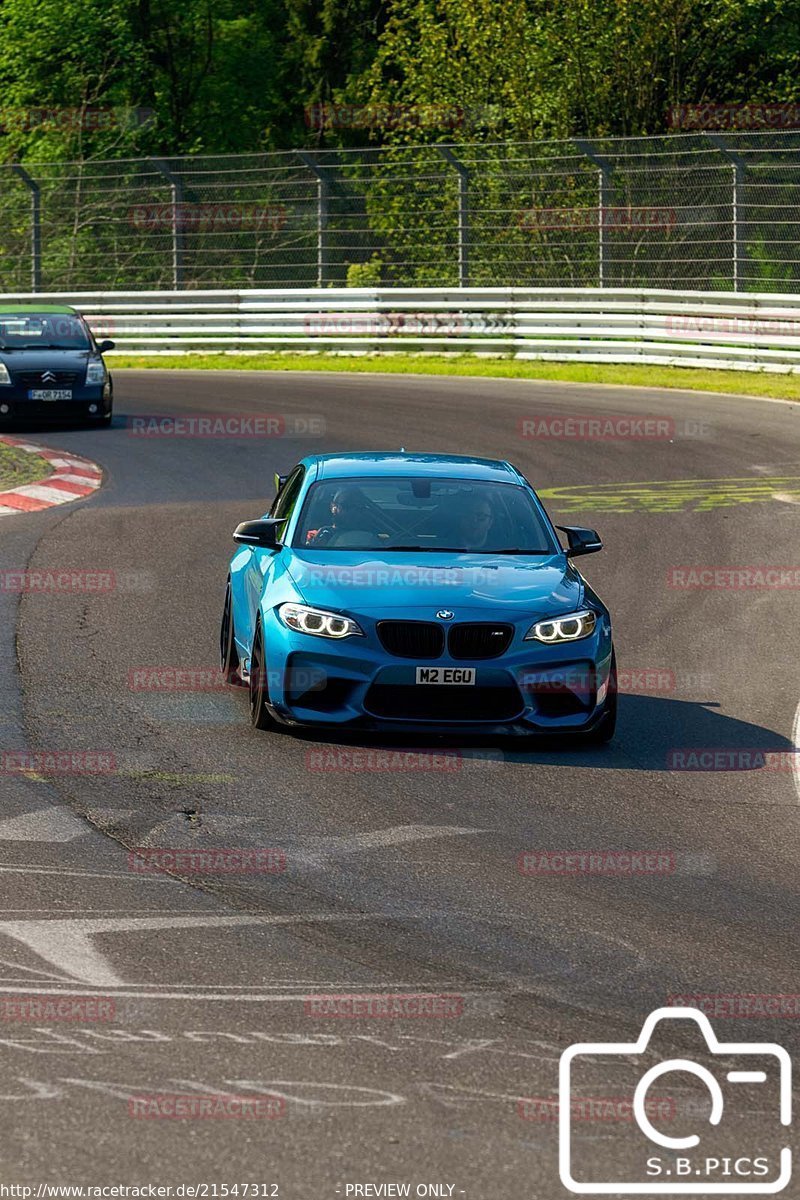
{"x":72,"y":479}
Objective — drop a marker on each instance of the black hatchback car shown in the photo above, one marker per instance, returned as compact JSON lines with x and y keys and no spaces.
{"x":51,"y":367}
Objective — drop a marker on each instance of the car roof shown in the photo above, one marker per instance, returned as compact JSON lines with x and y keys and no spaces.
{"x":55,"y":309}
{"x":358,"y":465}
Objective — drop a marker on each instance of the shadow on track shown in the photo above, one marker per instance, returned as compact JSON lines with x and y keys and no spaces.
{"x":653,"y":734}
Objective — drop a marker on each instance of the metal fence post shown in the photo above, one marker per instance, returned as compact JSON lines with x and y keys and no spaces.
{"x":176,"y":222}
{"x":737,"y":204}
{"x":604,"y":195}
{"x":463,"y":214}
{"x":323,"y":212}
{"x":36,"y":225}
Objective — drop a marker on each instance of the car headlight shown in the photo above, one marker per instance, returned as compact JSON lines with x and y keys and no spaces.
{"x":317,"y":621}
{"x":96,"y":373}
{"x":570,"y":628}
{"x":5,"y":378}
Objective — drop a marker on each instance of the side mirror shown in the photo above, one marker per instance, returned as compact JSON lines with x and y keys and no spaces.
{"x":261,"y":534}
{"x":581,"y":541}
{"x":106,"y":345}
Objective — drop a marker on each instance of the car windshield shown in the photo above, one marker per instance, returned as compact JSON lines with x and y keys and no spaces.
{"x":42,"y":331}
{"x":422,"y":514}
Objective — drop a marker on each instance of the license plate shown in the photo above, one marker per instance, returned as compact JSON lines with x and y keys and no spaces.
{"x":49,"y":394}
{"x":446,"y":675}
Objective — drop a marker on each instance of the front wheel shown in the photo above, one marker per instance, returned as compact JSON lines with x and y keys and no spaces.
{"x":604,"y":732}
{"x":259,"y":713}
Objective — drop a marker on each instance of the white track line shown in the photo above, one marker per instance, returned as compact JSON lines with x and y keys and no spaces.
{"x":796,"y":755}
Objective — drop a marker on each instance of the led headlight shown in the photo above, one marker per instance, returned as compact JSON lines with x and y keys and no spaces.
{"x":4,"y":375}
{"x":570,"y":628}
{"x":317,"y":621}
{"x":95,"y":373}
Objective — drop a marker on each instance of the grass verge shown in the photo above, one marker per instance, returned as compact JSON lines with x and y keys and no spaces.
{"x":18,"y":467}
{"x":750,"y":383}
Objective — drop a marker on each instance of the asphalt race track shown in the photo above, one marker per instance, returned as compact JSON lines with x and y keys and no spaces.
{"x":397,"y":880}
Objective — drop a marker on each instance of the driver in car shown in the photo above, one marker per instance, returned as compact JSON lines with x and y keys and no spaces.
{"x":474,"y":524}
{"x":349,"y":512}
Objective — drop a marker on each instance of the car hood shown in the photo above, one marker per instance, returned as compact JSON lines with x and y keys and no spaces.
{"x":378,"y":583}
{"x":45,"y":360}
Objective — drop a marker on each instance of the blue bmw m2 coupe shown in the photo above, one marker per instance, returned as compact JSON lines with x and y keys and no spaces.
{"x":416,"y":592}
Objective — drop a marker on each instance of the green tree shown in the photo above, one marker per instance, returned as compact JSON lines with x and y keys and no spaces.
{"x":557,"y":68}
{"x":329,"y":45}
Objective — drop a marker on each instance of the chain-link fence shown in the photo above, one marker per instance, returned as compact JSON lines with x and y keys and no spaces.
{"x":704,"y":211}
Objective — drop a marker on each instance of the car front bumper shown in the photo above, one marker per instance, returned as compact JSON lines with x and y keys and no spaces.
{"x":15,"y":405}
{"x":531,"y":688}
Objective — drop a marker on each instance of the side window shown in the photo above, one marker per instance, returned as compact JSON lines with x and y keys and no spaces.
{"x":287,"y":497}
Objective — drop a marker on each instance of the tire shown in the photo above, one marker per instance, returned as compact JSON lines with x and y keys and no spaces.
{"x":228,"y":654}
{"x":259,"y":713}
{"x":604,"y":732}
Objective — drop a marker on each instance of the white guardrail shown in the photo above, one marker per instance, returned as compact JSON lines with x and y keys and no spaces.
{"x":756,"y":331}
